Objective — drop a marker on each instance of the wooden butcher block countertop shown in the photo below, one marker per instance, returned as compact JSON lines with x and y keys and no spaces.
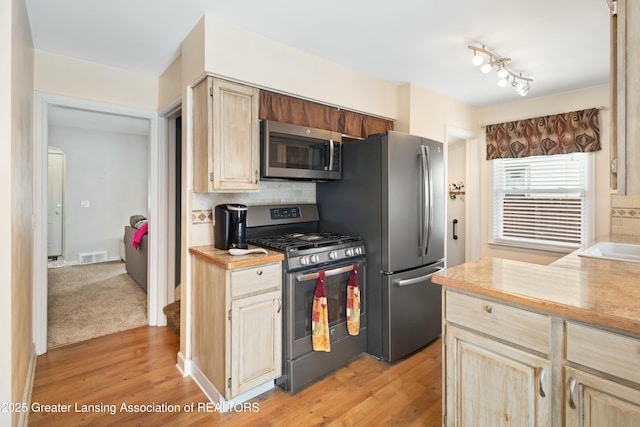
{"x":225,"y":260}
{"x":598,"y":291}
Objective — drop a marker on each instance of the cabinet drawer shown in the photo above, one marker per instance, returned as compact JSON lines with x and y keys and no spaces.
{"x":604,"y":351}
{"x":255,"y":279}
{"x":521,"y":327}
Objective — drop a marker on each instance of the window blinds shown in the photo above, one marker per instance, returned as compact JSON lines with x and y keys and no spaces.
{"x":541,"y":200}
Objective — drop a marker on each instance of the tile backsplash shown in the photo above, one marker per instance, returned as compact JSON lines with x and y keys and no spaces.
{"x":271,"y":192}
{"x":625,"y":215}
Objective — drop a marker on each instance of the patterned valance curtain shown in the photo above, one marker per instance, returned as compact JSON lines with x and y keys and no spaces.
{"x":287,"y":109}
{"x":576,"y":131}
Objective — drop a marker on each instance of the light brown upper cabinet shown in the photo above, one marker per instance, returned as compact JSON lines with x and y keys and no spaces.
{"x":226,"y":137}
{"x":625,"y":91}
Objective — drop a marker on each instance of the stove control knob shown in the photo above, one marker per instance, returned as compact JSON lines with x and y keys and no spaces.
{"x":314,"y":258}
{"x":333,"y":255}
{"x":349,"y":252}
{"x":304,"y":260}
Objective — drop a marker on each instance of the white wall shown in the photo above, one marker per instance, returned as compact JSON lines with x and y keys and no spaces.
{"x":16,"y":198}
{"x":75,"y":78}
{"x":110,"y":171}
{"x":428,"y":113}
{"x":170,"y":84}
{"x":560,"y":103}
{"x":242,"y":55}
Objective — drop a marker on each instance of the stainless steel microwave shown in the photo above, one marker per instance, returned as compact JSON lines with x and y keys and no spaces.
{"x":299,"y":152}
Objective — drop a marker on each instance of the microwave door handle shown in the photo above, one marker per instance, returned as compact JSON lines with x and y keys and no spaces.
{"x":331,"y":148}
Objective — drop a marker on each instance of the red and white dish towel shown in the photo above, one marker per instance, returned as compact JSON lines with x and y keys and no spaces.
{"x":353,"y":302}
{"x":320,"y":317}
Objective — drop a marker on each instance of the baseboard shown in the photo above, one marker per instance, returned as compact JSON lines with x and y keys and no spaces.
{"x":183,"y":364}
{"x":23,"y":420}
{"x":214,"y":396}
{"x":206,"y":386}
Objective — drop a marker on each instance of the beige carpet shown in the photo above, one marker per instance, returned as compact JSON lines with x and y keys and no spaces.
{"x":87,"y":301}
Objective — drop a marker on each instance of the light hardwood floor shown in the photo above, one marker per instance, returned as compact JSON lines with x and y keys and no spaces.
{"x":138,"y":367}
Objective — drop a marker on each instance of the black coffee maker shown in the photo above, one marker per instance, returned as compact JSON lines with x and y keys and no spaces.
{"x":230,"y":226}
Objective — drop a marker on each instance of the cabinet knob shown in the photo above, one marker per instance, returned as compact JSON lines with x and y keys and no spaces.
{"x":489,"y":309}
{"x":259,"y":272}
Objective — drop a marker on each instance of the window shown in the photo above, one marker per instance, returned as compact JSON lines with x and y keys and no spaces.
{"x":541,"y":201}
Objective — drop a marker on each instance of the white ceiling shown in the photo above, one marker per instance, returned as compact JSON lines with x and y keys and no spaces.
{"x":562,"y":45}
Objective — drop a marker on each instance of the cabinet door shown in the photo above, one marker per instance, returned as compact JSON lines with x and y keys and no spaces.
{"x":235,"y":137}
{"x":625,"y":93}
{"x":256,"y":341}
{"x":595,"y":401}
{"x":492,"y":384}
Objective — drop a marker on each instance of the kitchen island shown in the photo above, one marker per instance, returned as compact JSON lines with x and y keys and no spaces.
{"x":236,"y":306}
{"x":528,"y":344}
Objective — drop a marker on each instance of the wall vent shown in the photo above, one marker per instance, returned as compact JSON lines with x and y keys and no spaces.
{"x":93,"y":257}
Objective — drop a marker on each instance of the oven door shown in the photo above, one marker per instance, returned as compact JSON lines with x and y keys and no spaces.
{"x":299,"y":292}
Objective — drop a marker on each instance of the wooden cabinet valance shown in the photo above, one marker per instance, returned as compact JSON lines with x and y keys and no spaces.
{"x":288,"y":109}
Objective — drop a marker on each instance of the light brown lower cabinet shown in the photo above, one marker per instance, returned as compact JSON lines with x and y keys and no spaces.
{"x":602,"y":377}
{"x":505,"y":365}
{"x":492,"y":384}
{"x":237,"y":325}
{"x":594,"y":401}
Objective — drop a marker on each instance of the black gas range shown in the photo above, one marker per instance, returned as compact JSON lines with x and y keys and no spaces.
{"x":293,"y":230}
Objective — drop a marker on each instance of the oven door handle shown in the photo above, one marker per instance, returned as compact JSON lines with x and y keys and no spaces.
{"x":328,"y":273}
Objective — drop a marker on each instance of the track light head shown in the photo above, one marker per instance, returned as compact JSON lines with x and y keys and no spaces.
{"x":477,"y":60}
{"x":486,"y":67}
{"x":517,"y":85}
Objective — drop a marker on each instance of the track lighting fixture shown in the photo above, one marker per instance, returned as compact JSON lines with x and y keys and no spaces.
{"x":518,"y":82}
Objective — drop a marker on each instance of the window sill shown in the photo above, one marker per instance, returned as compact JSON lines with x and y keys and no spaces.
{"x":531,"y":246}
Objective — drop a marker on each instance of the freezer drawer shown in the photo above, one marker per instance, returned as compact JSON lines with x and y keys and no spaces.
{"x":411,"y":311}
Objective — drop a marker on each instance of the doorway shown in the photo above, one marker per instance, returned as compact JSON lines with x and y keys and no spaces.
{"x":156,"y":202}
{"x":93,"y":286}
{"x":56,"y":166}
{"x":463,"y":211}
{"x":456,"y":218}
{"x":171,"y":122}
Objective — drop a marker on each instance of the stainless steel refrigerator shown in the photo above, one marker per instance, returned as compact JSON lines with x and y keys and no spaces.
{"x":392,"y":194}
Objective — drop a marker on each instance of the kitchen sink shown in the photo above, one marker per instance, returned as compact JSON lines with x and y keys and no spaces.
{"x":613,"y":251}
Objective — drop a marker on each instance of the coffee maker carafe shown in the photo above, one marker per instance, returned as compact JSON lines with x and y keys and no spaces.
{"x":230,"y":226}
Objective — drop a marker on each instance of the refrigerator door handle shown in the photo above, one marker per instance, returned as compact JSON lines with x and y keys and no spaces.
{"x":414,"y":280}
{"x":427,"y":210}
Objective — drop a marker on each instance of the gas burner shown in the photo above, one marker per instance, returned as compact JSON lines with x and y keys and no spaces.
{"x":310,"y":237}
{"x":301,"y":241}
